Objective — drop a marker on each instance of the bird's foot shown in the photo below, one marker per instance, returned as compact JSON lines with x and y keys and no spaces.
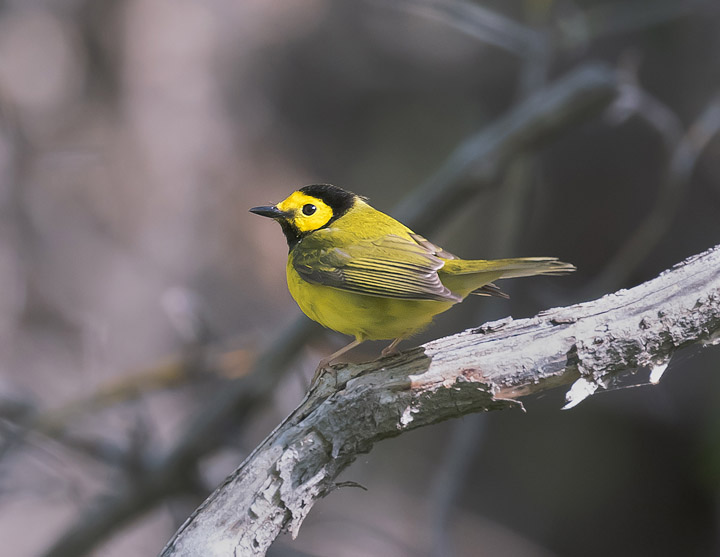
{"x":322,"y":368}
{"x":324,"y":364}
{"x":391,"y":348}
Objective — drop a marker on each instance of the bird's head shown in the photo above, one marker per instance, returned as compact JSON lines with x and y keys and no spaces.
{"x":309,"y":209}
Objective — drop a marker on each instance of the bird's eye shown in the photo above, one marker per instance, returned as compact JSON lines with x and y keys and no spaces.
{"x":309,"y":209}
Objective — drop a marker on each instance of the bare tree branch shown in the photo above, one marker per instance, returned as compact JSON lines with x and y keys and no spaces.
{"x":685,"y":149}
{"x":481,"y":158}
{"x":614,"y":18}
{"x":118,"y":509}
{"x":478,"y":370}
{"x":165,"y":375}
{"x":477,"y":21}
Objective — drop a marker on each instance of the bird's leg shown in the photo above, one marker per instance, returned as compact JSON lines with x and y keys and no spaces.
{"x":326,"y":361}
{"x":392,"y":347}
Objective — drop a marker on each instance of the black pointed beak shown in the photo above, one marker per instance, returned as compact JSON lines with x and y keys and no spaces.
{"x":268,"y":211}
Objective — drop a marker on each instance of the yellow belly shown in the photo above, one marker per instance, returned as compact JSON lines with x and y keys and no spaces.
{"x":361,"y":316}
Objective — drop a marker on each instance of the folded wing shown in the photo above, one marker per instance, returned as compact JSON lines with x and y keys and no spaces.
{"x":390,"y":266}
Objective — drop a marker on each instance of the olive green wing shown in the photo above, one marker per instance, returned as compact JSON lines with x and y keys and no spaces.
{"x":388,"y":267}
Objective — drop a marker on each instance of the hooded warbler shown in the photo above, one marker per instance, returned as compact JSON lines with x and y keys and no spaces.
{"x":362,"y":273}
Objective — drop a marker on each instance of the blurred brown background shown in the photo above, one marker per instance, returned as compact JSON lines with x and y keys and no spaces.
{"x":135,"y":286}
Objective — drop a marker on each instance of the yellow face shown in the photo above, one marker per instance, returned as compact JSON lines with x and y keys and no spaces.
{"x":305,"y":212}
{"x":309,"y":209}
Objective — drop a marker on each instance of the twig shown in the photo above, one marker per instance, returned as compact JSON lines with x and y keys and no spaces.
{"x":479,"y":22}
{"x":613,"y":18}
{"x":479,"y":160}
{"x":168,"y":374}
{"x":653,"y":227}
{"x":113,"y":511}
{"x":452,"y":476}
{"x":478,"y":370}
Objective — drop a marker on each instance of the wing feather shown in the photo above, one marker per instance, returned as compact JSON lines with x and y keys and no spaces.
{"x":390,"y":267}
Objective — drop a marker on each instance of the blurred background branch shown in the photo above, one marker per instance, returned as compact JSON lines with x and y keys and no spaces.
{"x":684,"y":150}
{"x":479,"y":22}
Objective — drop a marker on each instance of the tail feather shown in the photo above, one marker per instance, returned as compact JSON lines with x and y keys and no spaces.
{"x":510,"y":268}
{"x":490,"y":289}
{"x":464,"y":277}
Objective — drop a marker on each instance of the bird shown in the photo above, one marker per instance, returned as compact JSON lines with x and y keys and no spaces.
{"x":362,"y":273}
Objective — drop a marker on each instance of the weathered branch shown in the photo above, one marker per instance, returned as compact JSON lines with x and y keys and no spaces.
{"x":478,"y":370}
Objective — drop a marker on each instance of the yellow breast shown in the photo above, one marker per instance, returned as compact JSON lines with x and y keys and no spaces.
{"x":361,"y":316}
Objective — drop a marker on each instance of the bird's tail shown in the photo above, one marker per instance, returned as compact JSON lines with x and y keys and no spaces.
{"x":511,"y":268}
{"x":466,"y":276}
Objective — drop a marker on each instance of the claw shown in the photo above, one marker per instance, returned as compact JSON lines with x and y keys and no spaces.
{"x":325,"y":362}
{"x":320,"y":371}
{"x":391,"y":348}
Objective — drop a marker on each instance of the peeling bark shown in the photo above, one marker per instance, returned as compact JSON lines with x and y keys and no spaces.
{"x":481,"y":369}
